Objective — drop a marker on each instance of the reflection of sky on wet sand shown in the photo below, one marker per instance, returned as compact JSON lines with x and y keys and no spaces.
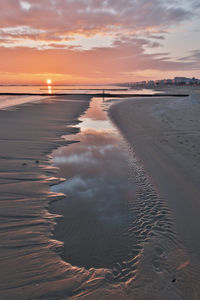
{"x":96,"y":219}
{"x":95,"y":117}
{"x":95,"y":111}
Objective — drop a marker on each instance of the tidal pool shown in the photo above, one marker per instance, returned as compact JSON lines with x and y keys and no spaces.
{"x":98,"y":189}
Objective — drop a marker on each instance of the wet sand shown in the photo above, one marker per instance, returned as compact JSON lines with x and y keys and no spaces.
{"x":144,"y":259}
{"x":30,"y":266}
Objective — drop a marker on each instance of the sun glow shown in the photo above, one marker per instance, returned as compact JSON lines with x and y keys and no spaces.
{"x":49,"y":81}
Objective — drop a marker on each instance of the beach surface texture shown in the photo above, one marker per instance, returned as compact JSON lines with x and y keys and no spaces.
{"x":30,"y":267}
{"x":123,"y":222}
{"x":165,"y":135}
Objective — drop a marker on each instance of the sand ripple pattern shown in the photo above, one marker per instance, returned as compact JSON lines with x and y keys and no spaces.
{"x":150,"y":219}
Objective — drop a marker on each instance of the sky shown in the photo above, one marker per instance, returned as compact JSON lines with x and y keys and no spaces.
{"x":98,"y":41}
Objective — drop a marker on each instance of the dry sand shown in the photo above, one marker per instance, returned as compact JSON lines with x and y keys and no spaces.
{"x":165,"y":133}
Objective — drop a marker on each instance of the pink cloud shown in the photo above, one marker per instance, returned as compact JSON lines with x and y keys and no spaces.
{"x":92,"y":15}
{"x":133,"y":26}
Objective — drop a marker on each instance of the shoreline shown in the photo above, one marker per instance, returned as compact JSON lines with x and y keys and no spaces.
{"x":106,"y":95}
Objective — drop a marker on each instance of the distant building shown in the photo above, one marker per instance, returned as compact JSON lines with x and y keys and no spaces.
{"x":185,"y":80}
{"x":168,"y":81}
{"x":163,"y":82}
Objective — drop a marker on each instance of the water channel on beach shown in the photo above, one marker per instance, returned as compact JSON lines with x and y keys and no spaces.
{"x":111,"y":216}
{"x":98,"y":188}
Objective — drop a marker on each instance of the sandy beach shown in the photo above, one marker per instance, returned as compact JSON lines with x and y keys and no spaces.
{"x":28,"y":134}
{"x":108,"y":212}
{"x":165,"y":134}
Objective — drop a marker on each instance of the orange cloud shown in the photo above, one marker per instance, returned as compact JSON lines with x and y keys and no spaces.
{"x":87,"y":41}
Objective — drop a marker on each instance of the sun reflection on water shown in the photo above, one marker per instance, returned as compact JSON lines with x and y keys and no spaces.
{"x":49,"y":89}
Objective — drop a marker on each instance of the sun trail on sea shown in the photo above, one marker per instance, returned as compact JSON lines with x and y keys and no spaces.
{"x":49,"y":82}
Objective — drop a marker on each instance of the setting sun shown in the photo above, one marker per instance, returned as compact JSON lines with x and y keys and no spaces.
{"x":49,"y":81}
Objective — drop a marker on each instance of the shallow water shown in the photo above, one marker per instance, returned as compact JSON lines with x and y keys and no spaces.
{"x":74,"y":89}
{"x":98,"y":188}
{"x":7,"y":101}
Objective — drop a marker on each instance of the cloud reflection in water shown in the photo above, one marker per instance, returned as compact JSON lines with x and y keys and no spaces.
{"x":96,"y":215}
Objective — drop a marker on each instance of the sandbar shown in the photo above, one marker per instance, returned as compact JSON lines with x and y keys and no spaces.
{"x":165,"y":133}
